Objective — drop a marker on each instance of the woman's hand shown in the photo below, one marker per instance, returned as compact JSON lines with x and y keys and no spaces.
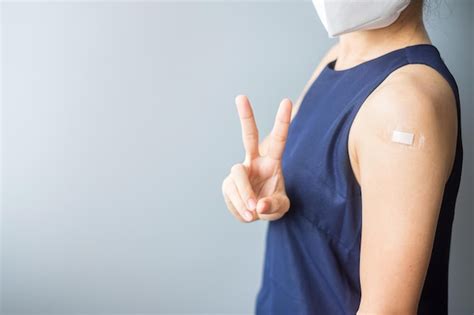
{"x":255,"y":188}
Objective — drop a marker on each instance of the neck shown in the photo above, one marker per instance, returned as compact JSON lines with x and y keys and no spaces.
{"x":360,"y":46}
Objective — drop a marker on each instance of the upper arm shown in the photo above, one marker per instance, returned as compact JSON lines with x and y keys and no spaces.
{"x":402,"y":185}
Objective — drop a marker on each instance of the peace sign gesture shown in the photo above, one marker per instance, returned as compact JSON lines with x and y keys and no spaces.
{"x":255,"y":188}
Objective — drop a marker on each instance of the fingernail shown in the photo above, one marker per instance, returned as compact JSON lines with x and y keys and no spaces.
{"x":237,"y":98}
{"x":248,"y":216}
{"x":252,"y":204}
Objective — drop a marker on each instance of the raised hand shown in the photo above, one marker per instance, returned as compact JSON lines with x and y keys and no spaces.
{"x":255,"y":189}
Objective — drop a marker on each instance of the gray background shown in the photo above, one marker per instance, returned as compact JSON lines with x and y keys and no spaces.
{"x":118,"y":127}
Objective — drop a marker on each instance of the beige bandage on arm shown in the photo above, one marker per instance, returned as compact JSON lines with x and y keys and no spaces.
{"x":402,"y":137}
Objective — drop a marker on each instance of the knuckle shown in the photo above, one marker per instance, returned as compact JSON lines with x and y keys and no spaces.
{"x":241,"y":209}
{"x":279,"y":137}
{"x":251,"y":135}
{"x":243,"y":196}
{"x":235,"y":168}
{"x":284,"y":122}
{"x":237,"y":202}
{"x":225,"y":185}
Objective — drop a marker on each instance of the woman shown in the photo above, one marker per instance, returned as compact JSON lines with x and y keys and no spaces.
{"x":359,"y":190}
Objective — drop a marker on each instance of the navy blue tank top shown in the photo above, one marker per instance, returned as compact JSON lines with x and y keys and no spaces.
{"x":312,"y":253}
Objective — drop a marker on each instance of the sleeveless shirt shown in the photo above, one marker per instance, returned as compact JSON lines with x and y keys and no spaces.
{"x":311,"y":261}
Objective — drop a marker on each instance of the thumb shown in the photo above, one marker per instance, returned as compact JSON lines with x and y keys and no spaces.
{"x":272,"y":204}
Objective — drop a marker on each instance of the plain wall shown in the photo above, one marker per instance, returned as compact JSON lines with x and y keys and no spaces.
{"x":118,"y":127}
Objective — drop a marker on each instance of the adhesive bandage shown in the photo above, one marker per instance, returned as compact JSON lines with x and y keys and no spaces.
{"x":402,"y":137}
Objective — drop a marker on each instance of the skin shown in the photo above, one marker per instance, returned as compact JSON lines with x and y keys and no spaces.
{"x":255,"y":188}
{"x":402,"y":185}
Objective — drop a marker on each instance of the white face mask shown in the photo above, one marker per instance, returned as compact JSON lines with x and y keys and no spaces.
{"x":344,"y":16}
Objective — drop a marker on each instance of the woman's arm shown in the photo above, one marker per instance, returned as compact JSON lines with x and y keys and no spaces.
{"x":330,"y":55}
{"x":402,"y":185}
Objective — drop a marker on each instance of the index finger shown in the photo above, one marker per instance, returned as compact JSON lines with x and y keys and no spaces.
{"x":249,"y":126}
{"x":279,"y":132}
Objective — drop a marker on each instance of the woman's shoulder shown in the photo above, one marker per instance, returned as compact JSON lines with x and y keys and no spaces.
{"x":414,"y":87}
{"x":414,"y":98}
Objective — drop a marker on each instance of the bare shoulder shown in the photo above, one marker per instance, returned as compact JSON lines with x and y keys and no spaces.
{"x":414,"y":95}
{"x":414,"y":99}
{"x":415,"y":82}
